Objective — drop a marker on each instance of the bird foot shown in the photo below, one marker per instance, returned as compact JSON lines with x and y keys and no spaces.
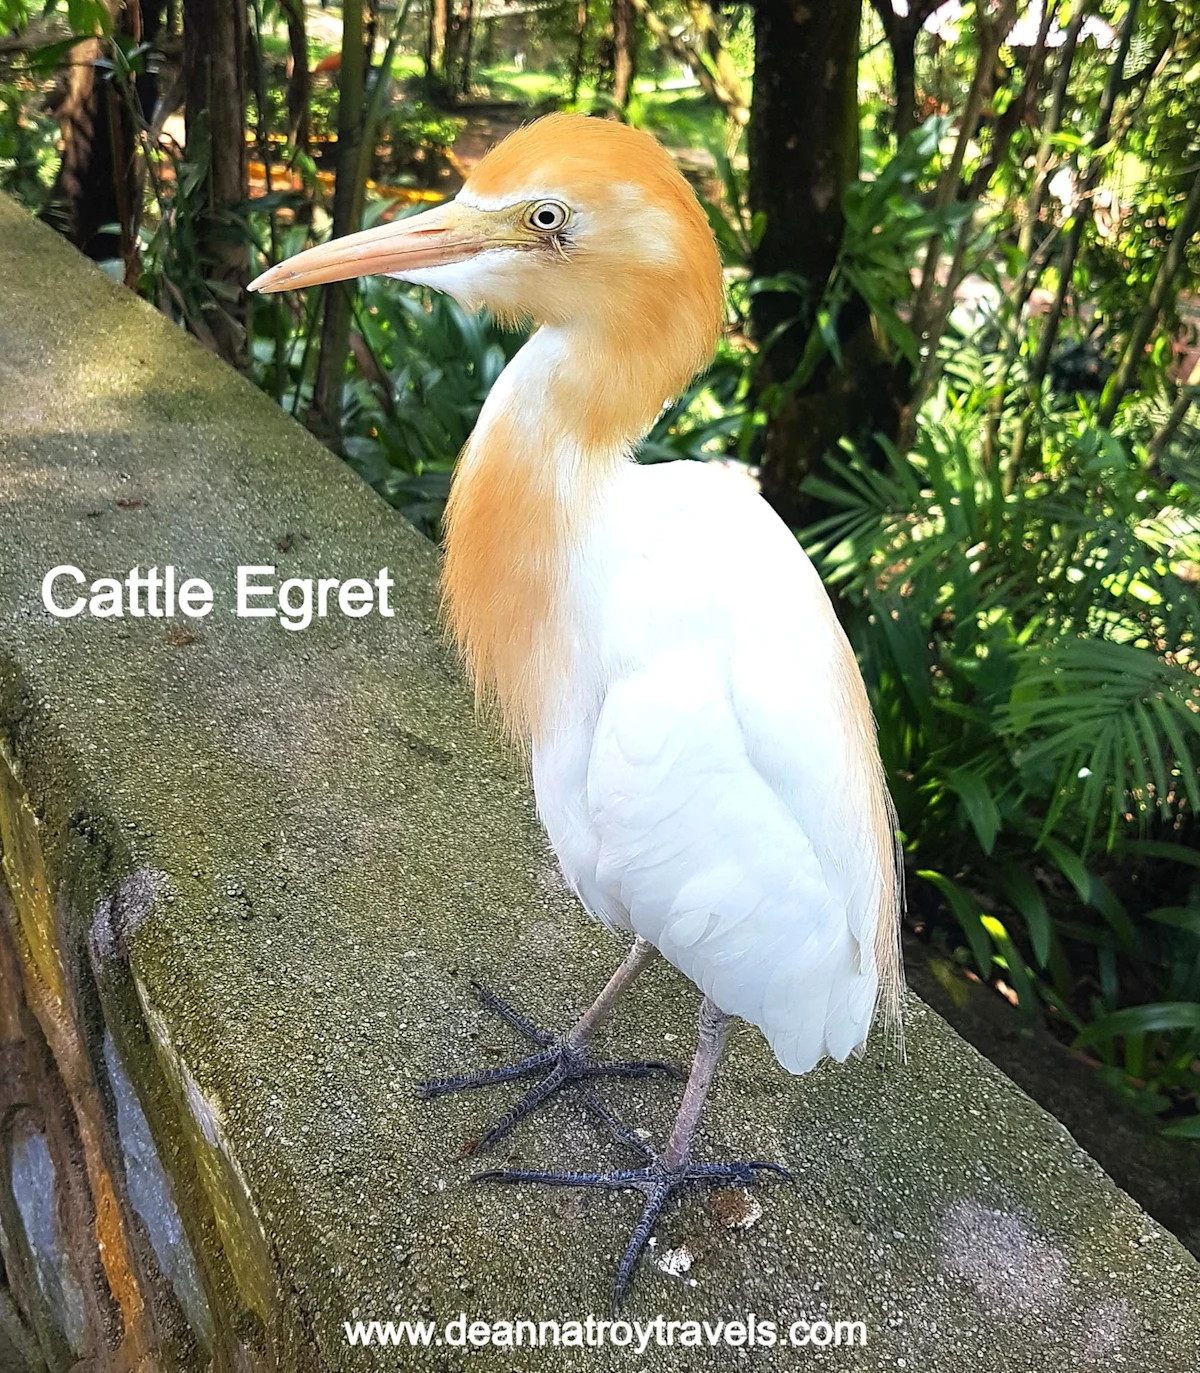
{"x":656,"y":1182}
{"x":563,"y":1062}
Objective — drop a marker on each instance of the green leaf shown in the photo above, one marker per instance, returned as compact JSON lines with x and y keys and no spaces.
{"x":1071,"y":866}
{"x":1153,"y":848}
{"x":1184,"y":1129}
{"x":89,"y":17}
{"x":1156,"y":1018}
{"x":1102,"y":897}
{"x":977,"y":800}
{"x":1118,"y":722}
{"x":758,"y":227}
{"x":969,"y":917}
{"x":1014,"y":965}
{"x":45,"y":59}
{"x":1181,"y":917}
{"x":1022,"y":892}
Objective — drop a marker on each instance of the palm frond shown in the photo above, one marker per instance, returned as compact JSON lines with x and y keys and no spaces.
{"x":1119,"y":724}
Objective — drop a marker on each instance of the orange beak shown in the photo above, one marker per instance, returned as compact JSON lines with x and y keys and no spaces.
{"x":447,"y":233}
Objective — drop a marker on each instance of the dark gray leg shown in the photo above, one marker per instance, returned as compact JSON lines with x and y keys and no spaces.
{"x":661,"y":1174}
{"x":563,"y":1058}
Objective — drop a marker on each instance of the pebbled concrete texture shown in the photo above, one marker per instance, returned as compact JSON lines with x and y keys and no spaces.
{"x":289,"y":855}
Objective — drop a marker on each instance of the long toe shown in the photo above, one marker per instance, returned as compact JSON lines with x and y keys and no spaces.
{"x":521,"y":1023}
{"x":485,"y":1077}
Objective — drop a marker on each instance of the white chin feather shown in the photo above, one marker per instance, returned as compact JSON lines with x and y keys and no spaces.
{"x":471,"y":282}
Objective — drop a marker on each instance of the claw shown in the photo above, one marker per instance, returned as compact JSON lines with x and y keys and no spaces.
{"x":535,"y":1175}
{"x":777,"y":1168}
{"x":529,"y":1102}
{"x":653,"y":1208}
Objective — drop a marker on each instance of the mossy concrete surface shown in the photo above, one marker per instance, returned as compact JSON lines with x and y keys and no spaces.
{"x":291,"y":853}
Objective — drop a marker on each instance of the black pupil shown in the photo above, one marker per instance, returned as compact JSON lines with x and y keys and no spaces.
{"x":546,"y":218}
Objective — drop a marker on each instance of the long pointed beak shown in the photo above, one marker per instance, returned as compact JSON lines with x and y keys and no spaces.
{"x":447,"y":233}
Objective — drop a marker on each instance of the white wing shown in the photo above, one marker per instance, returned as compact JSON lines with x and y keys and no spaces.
{"x":733,"y":795}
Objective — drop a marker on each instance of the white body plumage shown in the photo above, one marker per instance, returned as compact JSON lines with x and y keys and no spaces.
{"x":699,"y":784}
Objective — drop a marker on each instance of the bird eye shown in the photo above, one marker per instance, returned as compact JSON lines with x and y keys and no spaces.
{"x":547,"y":216}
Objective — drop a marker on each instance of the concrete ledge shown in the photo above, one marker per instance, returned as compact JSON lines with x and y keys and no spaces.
{"x":269,"y":865}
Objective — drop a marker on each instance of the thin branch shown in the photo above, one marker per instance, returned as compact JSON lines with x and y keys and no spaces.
{"x":1149,"y":315}
{"x":1189,"y":393}
{"x":704,"y":21}
{"x":1034,"y":262}
{"x":991,"y":36}
{"x":1005,"y":128}
{"x":380,"y":91}
{"x":1091,"y":179}
{"x":732,"y":103}
{"x":1016,"y":113}
{"x":1082,"y":216}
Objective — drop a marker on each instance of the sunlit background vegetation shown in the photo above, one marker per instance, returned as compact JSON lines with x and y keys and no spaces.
{"x":961,"y":359}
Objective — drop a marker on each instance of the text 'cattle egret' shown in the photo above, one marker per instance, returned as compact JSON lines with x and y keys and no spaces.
{"x":703,"y":751}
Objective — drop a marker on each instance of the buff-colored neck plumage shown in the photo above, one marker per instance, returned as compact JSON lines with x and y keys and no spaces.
{"x":628,"y":314}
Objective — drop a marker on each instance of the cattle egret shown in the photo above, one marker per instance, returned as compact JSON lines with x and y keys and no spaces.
{"x":703,"y":751}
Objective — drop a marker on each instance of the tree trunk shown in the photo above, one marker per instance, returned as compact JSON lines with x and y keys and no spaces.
{"x":580,"y":54}
{"x":85,"y":194}
{"x":803,"y":148}
{"x":466,"y":42}
{"x":326,"y":417}
{"x":458,"y":44}
{"x":97,"y":183}
{"x":803,"y":145}
{"x":904,"y":80}
{"x":624,"y":39}
{"x":214,"y":58}
{"x":299,"y":80}
{"x":435,"y":42}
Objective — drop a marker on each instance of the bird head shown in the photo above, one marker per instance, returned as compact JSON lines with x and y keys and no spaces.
{"x":569,"y":222}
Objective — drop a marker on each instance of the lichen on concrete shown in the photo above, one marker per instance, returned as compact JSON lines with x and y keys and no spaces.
{"x":345,"y":848}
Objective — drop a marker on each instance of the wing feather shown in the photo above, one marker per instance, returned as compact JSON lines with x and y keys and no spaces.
{"x":712,"y":867}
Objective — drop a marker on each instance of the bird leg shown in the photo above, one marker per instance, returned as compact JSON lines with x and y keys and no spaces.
{"x":562,"y":1058}
{"x":661,"y":1174}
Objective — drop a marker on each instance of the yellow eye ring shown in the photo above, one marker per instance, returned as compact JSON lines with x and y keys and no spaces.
{"x":547,"y":216}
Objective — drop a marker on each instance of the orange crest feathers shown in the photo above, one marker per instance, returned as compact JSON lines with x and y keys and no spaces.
{"x":648,"y":261}
{"x":633,"y":304}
